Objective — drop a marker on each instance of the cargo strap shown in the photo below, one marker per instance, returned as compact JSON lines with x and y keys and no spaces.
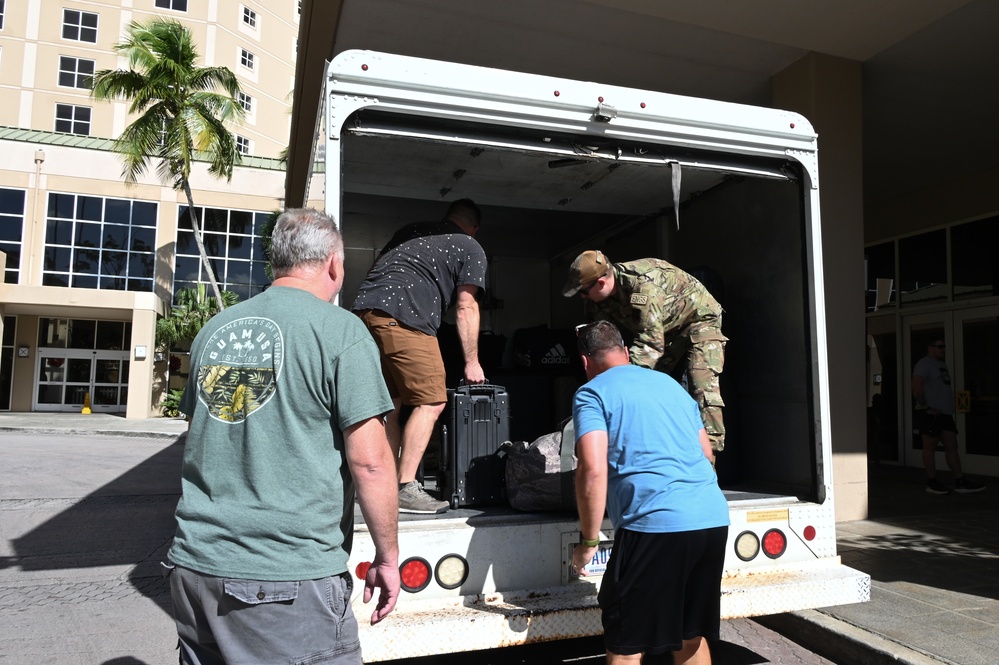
{"x":674,"y":168}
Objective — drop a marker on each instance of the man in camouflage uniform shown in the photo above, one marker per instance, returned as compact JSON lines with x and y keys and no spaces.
{"x":671,"y":317}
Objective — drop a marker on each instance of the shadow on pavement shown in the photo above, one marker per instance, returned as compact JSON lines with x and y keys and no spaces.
{"x":948,"y":542}
{"x":128,"y":522}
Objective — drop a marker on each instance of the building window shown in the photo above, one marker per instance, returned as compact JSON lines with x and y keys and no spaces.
{"x":879,"y":274}
{"x":175,"y":5}
{"x":249,"y":17}
{"x":11,"y":231}
{"x":246,"y":58}
{"x":93,"y":242}
{"x":973,"y":245}
{"x":72,"y":119}
{"x":79,"y":26}
{"x":246,"y":102}
{"x":242,"y":145}
{"x":234,"y":246}
{"x":2,"y":12}
{"x":922,"y":268}
{"x":76,"y":72}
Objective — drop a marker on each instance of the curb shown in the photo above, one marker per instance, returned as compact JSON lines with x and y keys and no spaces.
{"x":57,"y":431}
{"x":843,"y":642}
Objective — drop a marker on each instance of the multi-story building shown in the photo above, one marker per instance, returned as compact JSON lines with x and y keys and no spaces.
{"x":90,"y":262}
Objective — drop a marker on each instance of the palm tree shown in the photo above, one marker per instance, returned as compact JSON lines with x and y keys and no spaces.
{"x":189,"y":315}
{"x":180,"y":115}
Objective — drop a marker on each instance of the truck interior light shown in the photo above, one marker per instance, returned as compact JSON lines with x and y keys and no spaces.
{"x":361,"y":571}
{"x":451,"y":571}
{"x":809,"y":532}
{"x":747,"y":546}
{"x":414,"y":574}
{"x":774,"y":543}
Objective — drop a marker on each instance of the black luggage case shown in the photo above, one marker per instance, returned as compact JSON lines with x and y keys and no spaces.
{"x":475,"y":424}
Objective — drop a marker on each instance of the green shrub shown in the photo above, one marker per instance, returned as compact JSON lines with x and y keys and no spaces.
{"x":171,"y":403}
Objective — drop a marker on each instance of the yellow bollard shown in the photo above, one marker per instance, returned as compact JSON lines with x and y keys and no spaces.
{"x":86,"y":404}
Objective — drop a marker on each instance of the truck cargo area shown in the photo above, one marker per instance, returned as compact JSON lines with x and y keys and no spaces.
{"x":546,"y":196}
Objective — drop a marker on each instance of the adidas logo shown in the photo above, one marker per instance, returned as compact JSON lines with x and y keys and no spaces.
{"x":556,"y":356}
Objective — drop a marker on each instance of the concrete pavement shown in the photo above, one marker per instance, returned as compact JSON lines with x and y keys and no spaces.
{"x":85,"y":521}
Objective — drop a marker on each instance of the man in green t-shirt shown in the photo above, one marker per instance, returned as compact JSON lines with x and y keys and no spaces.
{"x":286,"y":406}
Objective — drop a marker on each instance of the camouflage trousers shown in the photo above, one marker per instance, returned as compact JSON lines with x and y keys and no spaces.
{"x":702,"y":346}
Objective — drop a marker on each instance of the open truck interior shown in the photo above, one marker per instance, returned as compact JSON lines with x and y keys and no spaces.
{"x":743,"y":228}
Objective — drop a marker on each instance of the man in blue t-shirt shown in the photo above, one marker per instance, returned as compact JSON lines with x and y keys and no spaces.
{"x":643,"y":454}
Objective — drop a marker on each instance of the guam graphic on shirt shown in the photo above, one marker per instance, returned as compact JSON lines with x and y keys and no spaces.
{"x":239,"y":368}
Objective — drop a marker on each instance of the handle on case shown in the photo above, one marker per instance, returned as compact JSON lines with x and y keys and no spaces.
{"x":445,"y":462}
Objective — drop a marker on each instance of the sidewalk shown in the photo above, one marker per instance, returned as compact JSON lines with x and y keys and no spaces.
{"x":933,"y":560}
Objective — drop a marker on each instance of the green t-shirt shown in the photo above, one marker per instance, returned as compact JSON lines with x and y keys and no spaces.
{"x":274,"y":382}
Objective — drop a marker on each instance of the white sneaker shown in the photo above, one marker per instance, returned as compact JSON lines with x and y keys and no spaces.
{"x":414,"y":499}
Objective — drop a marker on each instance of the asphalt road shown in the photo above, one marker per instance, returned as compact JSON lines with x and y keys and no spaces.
{"x":84,"y":523}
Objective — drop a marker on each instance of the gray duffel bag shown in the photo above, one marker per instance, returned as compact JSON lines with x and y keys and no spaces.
{"x":540,"y":476}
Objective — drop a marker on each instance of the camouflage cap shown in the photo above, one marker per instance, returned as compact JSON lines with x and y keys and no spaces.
{"x":588,"y":267}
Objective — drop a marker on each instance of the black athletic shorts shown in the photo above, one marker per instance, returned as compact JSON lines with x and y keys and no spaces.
{"x":661,"y":589}
{"x":933,"y":425}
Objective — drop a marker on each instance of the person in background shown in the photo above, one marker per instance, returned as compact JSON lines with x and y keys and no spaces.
{"x":672,"y":317}
{"x":644,"y":456}
{"x":934,"y":418}
{"x":423,"y":269}
{"x":286,"y":407}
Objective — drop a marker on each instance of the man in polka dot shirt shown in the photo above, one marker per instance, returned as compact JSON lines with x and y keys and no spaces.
{"x":424,"y":268}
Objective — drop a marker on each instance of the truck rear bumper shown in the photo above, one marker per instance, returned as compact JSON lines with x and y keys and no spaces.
{"x":471,"y":623}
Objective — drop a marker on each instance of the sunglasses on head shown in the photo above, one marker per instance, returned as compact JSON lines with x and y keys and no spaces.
{"x":582,"y":340}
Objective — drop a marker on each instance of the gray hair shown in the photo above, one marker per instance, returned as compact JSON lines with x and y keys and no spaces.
{"x":595,"y":339}
{"x":302,"y":237}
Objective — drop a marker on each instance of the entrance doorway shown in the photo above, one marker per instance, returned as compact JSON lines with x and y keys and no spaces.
{"x":66,"y":376}
{"x":972,"y":356}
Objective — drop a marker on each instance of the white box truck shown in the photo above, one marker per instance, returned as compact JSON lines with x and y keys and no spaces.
{"x":559,"y":166}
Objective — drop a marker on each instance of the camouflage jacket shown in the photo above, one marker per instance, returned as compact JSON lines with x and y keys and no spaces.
{"x":654,"y":304}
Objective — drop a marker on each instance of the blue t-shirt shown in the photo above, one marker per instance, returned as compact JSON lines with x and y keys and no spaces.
{"x":659,"y":480}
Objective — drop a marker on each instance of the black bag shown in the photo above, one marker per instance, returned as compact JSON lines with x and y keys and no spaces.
{"x":475,"y":425}
{"x":541,"y":475}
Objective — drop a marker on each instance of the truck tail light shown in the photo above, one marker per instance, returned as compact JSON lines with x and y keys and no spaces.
{"x":451,"y":571}
{"x":414,"y":574}
{"x":774,"y":543}
{"x":747,"y":546}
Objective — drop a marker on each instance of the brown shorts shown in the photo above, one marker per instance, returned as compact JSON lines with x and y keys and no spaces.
{"x":411,"y":360}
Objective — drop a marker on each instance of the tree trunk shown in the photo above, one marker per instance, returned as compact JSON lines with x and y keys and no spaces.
{"x":201,"y":245}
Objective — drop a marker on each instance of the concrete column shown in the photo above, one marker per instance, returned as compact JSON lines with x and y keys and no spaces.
{"x":141,"y":374}
{"x":828,"y":91}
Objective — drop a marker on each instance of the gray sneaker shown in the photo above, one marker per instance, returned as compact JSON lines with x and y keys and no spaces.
{"x":414,"y":499}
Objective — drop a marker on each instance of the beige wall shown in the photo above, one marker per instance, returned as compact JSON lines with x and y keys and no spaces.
{"x":33,"y":43}
{"x":827,"y":91}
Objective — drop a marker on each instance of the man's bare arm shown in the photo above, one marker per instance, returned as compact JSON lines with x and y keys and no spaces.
{"x":591,"y":492}
{"x":373,"y":469}
{"x":467,"y":319}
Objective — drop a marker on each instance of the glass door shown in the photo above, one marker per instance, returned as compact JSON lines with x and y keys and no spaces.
{"x":971,"y":337}
{"x":976,"y":339}
{"x":918,"y":332}
{"x":66,"y":376}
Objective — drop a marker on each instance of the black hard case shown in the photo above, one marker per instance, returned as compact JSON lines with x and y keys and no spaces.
{"x":475,"y":424}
